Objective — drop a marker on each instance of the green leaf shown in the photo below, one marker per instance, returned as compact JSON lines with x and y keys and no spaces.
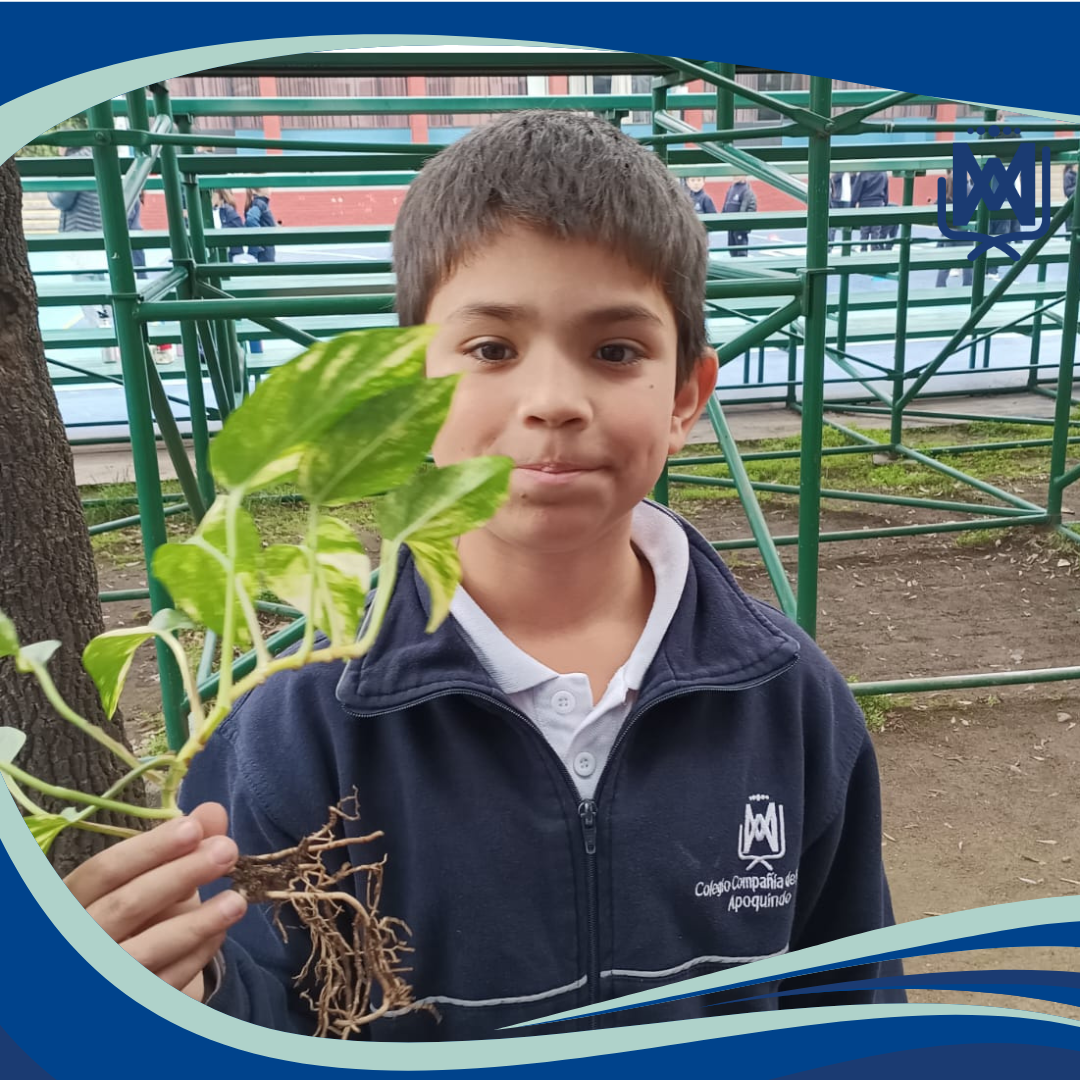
{"x":108,"y":656}
{"x":12,"y":741}
{"x":263,"y":441}
{"x":46,"y":828}
{"x":212,"y":531}
{"x":342,"y":570}
{"x":195,"y":575}
{"x":445,"y":503}
{"x":36,"y":655}
{"x":9,"y":640}
{"x":432,"y":510}
{"x":439,"y":566}
{"x":378,"y":445}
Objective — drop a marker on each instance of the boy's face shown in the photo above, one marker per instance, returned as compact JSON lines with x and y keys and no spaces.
{"x":569,"y":361}
{"x":695,"y":183}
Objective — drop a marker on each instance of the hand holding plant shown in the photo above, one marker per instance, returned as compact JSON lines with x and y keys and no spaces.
{"x":348,"y":419}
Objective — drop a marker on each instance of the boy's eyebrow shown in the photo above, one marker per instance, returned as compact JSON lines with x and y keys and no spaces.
{"x":623,"y":313}
{"x":514,"y":312}
{"x":505,"y":312}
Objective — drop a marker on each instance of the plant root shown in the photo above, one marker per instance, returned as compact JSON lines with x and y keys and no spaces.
{"x":354,"y":948}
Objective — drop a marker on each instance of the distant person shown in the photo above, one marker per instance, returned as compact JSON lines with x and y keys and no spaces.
{"x":840,"y":185}
{"x":1068,"y":185}
{"x":164,"y":353}
{"x":227,"y":216}
{"x":945,"y":273}
{"x":740,"y":199}
{"x":889,"y":232}
{"x":80,"y":211}
{"x":870,"y":191}
{"x":257,"y":215}
{"x":695,"y":188}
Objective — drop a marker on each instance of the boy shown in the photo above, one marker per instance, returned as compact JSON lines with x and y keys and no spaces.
{"x":610,"y":769}
{"x":740,"y":199}
{"x":695,"y":188}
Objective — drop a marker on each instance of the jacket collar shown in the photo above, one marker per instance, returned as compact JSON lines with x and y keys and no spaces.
{"x":718,"y":638}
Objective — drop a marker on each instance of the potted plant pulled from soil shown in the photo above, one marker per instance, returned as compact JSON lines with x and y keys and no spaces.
{"x":348,"y":419}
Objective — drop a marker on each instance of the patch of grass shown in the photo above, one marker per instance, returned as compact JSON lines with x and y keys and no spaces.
{"x":875,"y":708}
{"x":860,"y":472}
{"x":280,"y":521}
{"x":156,"y":742}
{"x":977,"y":538}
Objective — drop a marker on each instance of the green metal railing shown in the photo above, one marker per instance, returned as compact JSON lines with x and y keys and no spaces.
{"x":211,"y":308}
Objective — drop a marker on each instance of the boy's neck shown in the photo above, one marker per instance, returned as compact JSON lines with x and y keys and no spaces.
{"x":541,"y":593}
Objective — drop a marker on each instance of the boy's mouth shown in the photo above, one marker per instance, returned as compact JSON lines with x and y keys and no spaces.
{"x":554,"y":472}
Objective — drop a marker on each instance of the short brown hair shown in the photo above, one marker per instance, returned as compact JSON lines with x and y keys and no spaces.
{"x":566,"y":174}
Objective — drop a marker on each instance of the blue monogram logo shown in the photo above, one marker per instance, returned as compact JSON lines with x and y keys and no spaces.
{"x":994,"y":184}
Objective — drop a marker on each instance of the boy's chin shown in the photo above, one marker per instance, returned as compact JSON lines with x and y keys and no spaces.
{"x":557,"y":529}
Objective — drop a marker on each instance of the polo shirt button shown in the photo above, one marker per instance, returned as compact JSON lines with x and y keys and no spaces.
{"x":584,"y":764}
{"x":563,"y":702}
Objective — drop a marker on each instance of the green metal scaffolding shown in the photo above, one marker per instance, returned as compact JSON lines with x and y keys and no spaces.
{"x":212,"y":309}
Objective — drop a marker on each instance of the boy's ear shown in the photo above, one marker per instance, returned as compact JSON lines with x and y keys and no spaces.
{"x":691,"y":399}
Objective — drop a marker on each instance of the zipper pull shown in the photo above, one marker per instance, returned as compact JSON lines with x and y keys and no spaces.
{"x":587,"y":813}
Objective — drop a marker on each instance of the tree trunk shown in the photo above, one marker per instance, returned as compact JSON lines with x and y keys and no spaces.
{"x":48,"y":581}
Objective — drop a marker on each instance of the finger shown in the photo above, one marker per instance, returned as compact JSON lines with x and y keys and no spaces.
{"x":213,"y":818}
{"x":123,"y":862}
{"x":178,"y":949}
{"x":126,"y":911}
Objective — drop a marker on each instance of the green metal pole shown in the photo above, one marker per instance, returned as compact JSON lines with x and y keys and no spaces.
{"x":1036,"y":335}
{"x":1066,"y":366}
{"x":129,"y":335}
{"x":758,"y":525}
{"x":978,"y":277}
{"x":138,"y":113}
{"x":862,"y":535}
{"x":966,"y":682}
{"x":813,"y":401}
{"x":845,"y":291}
{"x":725,"y":100}
{"x":181,"y":256}
{"x":896,"y":428}
{"x":659,"y":104}
{"x":189,"y":334}
{"x":170,"y":436}
{"x":792,"y":365}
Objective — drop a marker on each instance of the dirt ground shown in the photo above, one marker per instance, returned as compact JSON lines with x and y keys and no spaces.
{"x":981,"y":789}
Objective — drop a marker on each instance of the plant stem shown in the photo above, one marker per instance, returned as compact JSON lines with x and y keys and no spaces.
{"x":69,"y":795}
{"x":68,"y":713}
{"x":388,"y":561}
{"x":232,"y":507}
{"x":313,"y":574}
{"x":22,"y":798}
{"x":144,"y":767}
{"x":351,"y":651}
{"x":252,"y":619}
{"x":190,"y":686}
{"x":108,"y":830}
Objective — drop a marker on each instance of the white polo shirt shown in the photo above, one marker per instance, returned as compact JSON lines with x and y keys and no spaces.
{"x":560,"y":704}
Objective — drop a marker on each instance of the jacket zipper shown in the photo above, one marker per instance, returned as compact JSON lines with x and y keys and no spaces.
{"x":587,"y":814}
{"x":588,"y":809}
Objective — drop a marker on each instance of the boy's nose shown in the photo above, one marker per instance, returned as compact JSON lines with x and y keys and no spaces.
{"x":554,"y":392}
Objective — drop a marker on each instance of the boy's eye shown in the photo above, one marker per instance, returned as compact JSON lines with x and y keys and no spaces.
{"x":618,"y":354}
{"x":491,"y":352}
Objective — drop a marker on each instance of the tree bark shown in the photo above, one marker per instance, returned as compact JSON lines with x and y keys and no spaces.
{"x":48,"y":580}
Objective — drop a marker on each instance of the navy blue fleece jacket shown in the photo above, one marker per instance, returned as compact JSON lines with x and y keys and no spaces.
{"x":737,"y":818}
